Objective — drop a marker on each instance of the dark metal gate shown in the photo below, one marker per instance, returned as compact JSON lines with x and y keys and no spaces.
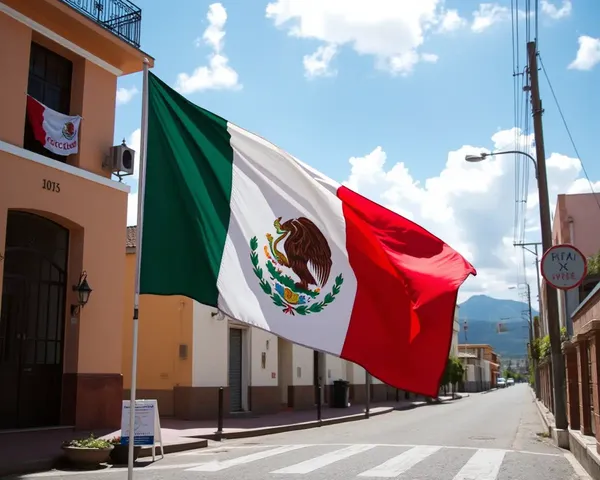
{"x":32,"y":321}
{"x":235,"y":369}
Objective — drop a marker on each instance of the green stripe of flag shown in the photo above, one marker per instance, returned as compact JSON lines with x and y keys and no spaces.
{"x":187,"y":199}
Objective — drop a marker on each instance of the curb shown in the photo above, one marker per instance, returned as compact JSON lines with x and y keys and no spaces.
{"x":194,"y":444}
{"x":541,"y":413}
{"x":313,"y":423}
{"x":259,"y":432}
{"x":411,"y":406}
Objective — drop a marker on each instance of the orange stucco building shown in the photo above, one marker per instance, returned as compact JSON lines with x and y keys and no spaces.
{"x":61,"y":216}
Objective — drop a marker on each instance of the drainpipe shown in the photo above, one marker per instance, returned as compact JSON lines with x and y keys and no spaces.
{"x":570,"y":293}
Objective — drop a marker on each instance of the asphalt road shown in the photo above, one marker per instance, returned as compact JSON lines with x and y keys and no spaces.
{"x":483,"y":437}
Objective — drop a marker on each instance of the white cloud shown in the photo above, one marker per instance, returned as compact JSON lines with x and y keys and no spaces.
{"x":392,"y":31}
{"x":588,"y":54}
{"x":218,"y":74}
{"x":317,"y":64}
{"x":451,"y":21}
{"x":554,"y":12}
{"x":470,"y":206}
{"x":134,"y":142}
{"x":488,"y":15}
{"x":582,"y":185}
{"x":124,"y":95}
{"x":429,"y":57}
{"x":132,"y":209}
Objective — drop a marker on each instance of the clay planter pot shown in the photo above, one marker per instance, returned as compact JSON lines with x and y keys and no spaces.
{"x":120,"y":454}
{"x":87,"y":457}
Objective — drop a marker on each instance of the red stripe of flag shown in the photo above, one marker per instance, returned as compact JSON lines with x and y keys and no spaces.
{"x":407,"y":287}
{"x":35,"y":114}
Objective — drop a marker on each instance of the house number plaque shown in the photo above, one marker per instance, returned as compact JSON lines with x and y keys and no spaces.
{"x":50,"y":186}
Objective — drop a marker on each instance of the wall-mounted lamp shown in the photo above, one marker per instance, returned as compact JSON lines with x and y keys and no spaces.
{"x":83,"y":293}
{"x":218,"y":315}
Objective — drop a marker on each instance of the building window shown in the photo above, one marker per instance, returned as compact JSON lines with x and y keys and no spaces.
{"x":49,"y":83}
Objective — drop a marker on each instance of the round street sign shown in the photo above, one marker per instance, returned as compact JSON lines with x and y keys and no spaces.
{"x":564,"y":266}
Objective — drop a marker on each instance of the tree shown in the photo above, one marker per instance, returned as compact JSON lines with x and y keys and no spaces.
{"x":457,"y":373}
{"x":446,"y":375}
{"x":593,"y":264}
{"x":453,"y":374}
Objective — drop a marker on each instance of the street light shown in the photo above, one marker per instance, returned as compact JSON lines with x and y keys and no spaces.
{"x":482,"y":156}
{"x":558,"y":363}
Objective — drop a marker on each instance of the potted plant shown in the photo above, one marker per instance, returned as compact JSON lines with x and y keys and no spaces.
{"x":87,"y":452}
{"x":120,"y":453}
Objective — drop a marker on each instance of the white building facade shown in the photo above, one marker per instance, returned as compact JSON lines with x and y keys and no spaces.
{"x":263,"y":373}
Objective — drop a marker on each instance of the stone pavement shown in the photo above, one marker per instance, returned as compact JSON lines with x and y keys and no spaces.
{"x":30,"y":451}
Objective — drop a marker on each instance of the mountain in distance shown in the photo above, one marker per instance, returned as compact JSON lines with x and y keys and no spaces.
{"x":483,"y":315}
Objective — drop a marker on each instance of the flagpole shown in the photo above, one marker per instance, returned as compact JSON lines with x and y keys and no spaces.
{"x":138,"y":255}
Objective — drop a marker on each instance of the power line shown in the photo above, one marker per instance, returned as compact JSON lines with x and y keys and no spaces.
{"x":537,"y":8}
{"x":515,"y":114}
{"x":564,"y":120}
{"x":522,"y":123}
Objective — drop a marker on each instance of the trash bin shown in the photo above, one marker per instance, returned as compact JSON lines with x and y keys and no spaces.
{"x":341,"y":394}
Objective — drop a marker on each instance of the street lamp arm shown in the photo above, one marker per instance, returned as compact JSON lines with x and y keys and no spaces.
{"x":518,"y":152}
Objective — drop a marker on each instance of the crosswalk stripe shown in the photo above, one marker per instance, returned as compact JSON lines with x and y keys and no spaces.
{"x":401,"y":463}
{"x":217,"y":466}
{"x":483,"y":465}
{"x":216,"y":450}
{"x":324,"y":460}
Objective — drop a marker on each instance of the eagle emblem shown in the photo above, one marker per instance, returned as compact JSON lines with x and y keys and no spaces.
{"x":298,"y":266}
{"x":68,"y":130}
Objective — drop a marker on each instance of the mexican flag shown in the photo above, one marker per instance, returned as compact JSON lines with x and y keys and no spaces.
{"x":55,"y":131}
{"x":234,"y":222}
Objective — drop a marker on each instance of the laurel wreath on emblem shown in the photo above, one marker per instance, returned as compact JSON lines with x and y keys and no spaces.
{"x":304,"y":245}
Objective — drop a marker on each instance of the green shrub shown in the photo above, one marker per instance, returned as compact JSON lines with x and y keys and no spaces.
{"x":89,"y":442}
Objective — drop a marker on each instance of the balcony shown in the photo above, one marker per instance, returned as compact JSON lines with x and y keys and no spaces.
{"x":120,"y":17}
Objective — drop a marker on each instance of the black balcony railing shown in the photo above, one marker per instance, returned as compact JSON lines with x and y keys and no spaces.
{"x":121,"y":17}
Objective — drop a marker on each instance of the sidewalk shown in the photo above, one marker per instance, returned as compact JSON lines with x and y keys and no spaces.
{"x":277,"y":423}
{"x":583,"y":447}
{"x":26,"y":452}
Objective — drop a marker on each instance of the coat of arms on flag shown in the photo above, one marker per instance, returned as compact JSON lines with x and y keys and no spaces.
{"x":307,"y":256}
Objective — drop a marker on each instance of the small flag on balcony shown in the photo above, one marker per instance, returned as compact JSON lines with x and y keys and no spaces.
{"x":56,"y":131}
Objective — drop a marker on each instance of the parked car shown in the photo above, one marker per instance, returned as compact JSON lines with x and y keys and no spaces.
{"x":501,"y":383}
{"x":510,"y":382}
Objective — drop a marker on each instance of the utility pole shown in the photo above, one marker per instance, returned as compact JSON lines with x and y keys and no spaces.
{"x":558,"y":364}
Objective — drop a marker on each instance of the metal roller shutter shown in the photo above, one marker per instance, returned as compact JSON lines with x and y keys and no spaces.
{"x":235,"y":369}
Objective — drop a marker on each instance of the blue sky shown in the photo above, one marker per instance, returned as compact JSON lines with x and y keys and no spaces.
{"x":409,"y":89}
